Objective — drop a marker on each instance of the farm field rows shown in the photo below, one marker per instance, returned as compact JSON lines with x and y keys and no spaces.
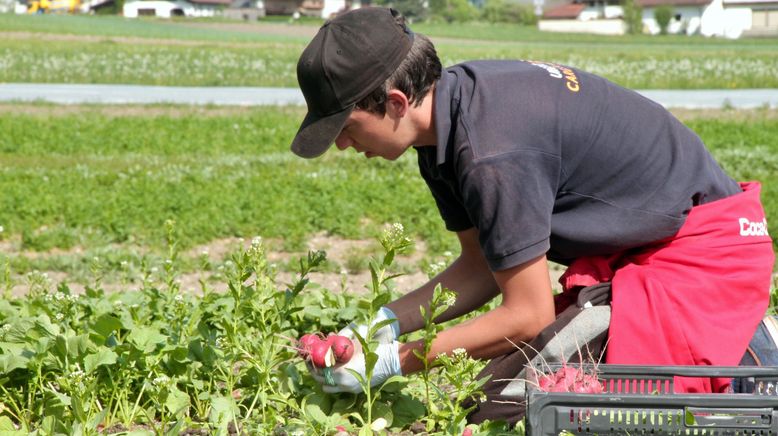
{"x":113,"y":50}
{"x":155,"y":261}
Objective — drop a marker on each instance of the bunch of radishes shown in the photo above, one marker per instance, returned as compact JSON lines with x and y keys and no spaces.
{"x":570,"y":379}
{"x":325,"y":352}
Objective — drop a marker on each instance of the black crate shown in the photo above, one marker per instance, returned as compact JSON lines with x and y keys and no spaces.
{"x":639,"y":400}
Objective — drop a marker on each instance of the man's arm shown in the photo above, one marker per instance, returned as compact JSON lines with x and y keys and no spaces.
{"x":469,"y":276}
{"x":527,"y":307}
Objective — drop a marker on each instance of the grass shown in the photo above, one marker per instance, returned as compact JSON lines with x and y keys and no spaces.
{"x":149,"y":28}
{"x":88,"y":177}
{"x":209,"y":53}
{"x":85,"y":179}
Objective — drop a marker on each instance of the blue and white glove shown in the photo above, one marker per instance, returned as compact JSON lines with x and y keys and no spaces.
{"x":387,"y":365}
{"x":384,"y":335}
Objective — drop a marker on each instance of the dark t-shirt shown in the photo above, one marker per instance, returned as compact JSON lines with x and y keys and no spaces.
{"x":542,"y":158}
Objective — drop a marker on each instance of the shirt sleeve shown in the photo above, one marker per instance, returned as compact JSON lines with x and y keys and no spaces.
{"x":510,"y":197}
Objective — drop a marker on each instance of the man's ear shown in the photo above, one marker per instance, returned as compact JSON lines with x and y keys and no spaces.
{"x":396,"y":103}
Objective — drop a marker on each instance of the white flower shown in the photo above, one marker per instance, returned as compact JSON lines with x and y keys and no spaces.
{"x":459,"y":353}
{"x":450,"y":298}
{"x":162,"y":380}
{"x":179,"y":297}
{"x":256,"y":241}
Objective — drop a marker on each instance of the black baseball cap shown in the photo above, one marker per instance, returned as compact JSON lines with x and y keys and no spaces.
{"x":350,"y":56}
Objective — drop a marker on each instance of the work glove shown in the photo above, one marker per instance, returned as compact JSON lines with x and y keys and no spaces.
{"x":387,"y":365}
{"x":384,"y":335}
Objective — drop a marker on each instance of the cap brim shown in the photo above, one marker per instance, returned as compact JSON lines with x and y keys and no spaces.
{"x":317,"y":134}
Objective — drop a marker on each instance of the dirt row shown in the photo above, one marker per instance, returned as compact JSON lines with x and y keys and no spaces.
{"x":173,"y":111}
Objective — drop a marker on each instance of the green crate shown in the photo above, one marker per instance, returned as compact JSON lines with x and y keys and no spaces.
{"x":639,"y":400}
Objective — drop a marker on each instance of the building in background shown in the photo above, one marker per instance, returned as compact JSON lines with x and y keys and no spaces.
{"x":722,"y":18}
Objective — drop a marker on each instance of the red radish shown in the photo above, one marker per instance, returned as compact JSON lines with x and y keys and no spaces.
{"x":325,"y":354}
{"x":570,"y":379}
{"x":321,"y":355}
{"x":305,"y":343}
{"x":342,"y":347}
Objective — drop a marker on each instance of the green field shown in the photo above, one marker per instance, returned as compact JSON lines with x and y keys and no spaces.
{"x":92,"y":176}
{"x":115,"y":50}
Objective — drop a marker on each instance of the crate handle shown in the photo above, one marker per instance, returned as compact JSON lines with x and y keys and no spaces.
{"x":728,"y":417}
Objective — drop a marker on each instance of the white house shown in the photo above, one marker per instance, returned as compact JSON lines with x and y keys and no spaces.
{"x":594,"y":16}
{"x":208,"y":8}
{"x":326,"y":8}
{"x":157,"y":8}
{"x":687,"y":15}
{"x":722,"y":18}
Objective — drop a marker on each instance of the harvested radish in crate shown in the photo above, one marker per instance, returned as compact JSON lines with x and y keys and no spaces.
{"x":569,"y":379}
{"x":325,"y":352}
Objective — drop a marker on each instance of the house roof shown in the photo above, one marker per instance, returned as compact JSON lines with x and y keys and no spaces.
{"x":571,"y":10}
{"x":211,"y":2}
{"x":655,"y":3}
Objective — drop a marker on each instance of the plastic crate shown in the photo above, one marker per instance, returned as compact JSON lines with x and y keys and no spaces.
{"x":639,"y":400}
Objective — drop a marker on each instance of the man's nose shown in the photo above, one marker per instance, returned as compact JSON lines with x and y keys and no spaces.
{"x":343,"y":141}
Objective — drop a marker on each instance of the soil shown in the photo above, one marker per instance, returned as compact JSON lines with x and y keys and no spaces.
{"x":150,"y":111}
{"x":338,"y":252}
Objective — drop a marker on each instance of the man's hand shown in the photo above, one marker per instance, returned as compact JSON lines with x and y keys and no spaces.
{"x":387,"y":365}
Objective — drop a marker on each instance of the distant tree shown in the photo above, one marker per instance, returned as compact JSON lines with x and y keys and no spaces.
{"x":453,"y":10}
{"x":507,"y":11}
{"x":633,"y":17}
{"x":413,"y":10}
{"x":663,"y":14}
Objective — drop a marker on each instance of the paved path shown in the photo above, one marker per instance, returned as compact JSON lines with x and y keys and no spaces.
{"x":246,"y":96}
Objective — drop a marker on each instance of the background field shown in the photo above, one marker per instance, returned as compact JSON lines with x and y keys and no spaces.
{"x":79,"y":179}
{"x":59,"y":49}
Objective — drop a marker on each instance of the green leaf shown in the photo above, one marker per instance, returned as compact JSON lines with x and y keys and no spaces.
{"x":176,"y":400}
{"x":394,"y":384}
{"x":370,"y":361}
{"x":104,"y":356}
{"x":106,"y":324}
{"x":44,"y":326}
{"x":10,"y":362}
{"x":381,"y":300}
{"x":6,"y":424}
{"x":317,"y":407}
{"x":407,"y":410}
{"x":389,"y":258}
{"x":383,"y":410}
{"x":19,"y":329}
{"x":97,"y":419}
{"x":79,"y":345}
{"x":146,"y":339}
{"x":223,"y":411}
